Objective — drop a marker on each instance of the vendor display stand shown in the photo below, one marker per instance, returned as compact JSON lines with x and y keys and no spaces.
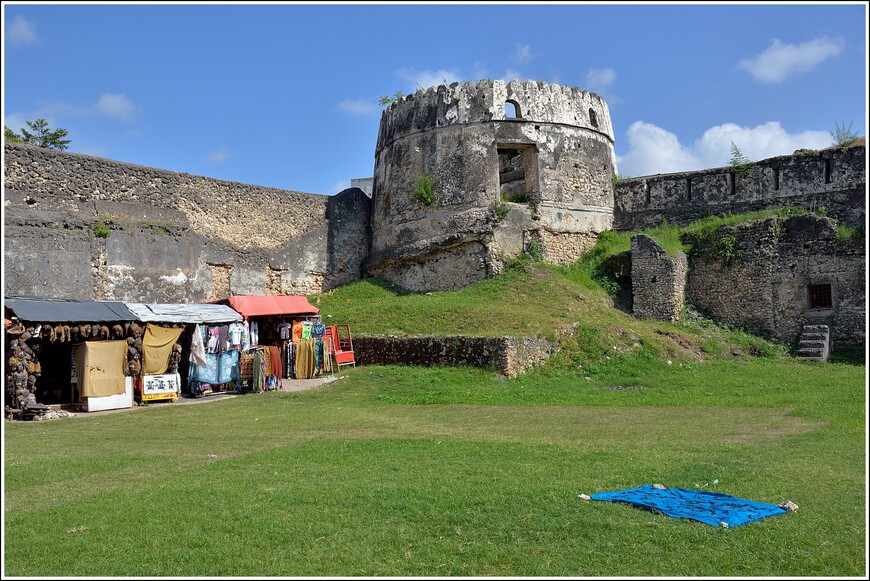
{"x":161,"y":387}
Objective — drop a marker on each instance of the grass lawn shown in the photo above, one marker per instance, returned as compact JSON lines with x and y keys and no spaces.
{"x":397,"y":471}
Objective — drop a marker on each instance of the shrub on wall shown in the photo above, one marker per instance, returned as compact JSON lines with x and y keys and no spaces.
{"x":424,"y":190}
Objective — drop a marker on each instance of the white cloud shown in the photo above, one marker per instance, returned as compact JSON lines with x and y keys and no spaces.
{"x":780,"y":60}
{"x":340,"y":186}
{"x":111,"y":105}
{"x":117,"y":107}
{"x":356,"y":107}
{"x":654,"y":150}
{"x":523,"y":54}
{"x":600,"y":79}
{"x":218,"y":156}
{"x":509,"y":75}
{"x":761,"y":142}
{"x":426,"y":79}
{"x":21,"y":32}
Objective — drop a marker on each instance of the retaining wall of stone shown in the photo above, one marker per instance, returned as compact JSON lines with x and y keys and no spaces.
{"x":509,"y":355}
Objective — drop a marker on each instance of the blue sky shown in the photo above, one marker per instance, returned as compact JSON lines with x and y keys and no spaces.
{"x":286,"y":95}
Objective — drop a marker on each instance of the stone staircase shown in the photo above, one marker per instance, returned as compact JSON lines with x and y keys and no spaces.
{"x":814,"y":343}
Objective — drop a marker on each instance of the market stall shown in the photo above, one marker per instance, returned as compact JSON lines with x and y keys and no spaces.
{"x":73,"y":353}
{"x":172,"y":363}
{"x":283,"y":338}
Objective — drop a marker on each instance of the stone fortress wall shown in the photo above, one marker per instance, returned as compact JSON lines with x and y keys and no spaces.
{"x":512,"y":164}
{"x":833,"y":179}
{"x":82,"y":227}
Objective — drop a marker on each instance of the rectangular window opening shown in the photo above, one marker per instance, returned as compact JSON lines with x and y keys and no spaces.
{"x":733,"y":183}
{"x":819,"y":296}
{"x":517,"y":173}
{"x":776,"y":179}
{"x":827,"y":171}
{"x":689,"y":189}
{"x":648,"y":195}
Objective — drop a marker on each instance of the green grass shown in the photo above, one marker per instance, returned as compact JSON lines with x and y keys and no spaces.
{"x":399,"y":471}
{"x":408,"y":471}
{"x":568,"y":305}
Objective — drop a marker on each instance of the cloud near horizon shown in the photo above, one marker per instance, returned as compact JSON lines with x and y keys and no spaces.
{"x":600,"y":79}
{"x":356,"y":107}
{"x":653,"y":150}
{"x":21,"y":32}
{"x":426,"y":79}
{"x":780,"y":61}
{"x":218,"y":156}
{"x":117,"y":107}
{"x":110,"y":105}
{"x":523,"y":54}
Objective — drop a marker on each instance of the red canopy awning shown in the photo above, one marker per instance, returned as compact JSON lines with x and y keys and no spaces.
{"x":263,"y":305}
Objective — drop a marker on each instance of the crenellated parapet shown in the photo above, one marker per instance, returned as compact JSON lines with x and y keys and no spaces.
{"x":832,"y":181}
{"x":513,"y":166}
{"x":468,"y":103}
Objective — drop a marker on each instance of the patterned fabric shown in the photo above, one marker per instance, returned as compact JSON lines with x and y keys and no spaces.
{"x":221,"y":368}
{"x":100,"y":368}
{"x":246,"y":366}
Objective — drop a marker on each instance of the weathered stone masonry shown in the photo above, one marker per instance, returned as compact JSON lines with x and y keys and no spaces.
{"x":509,"y":355}
{"x":172,"y":237}
{"x":765,"y":288}
{"x":81,"y":227}
{"x":658,"y":280}
{"x":548,"y":145}
{"x":834,"y":179}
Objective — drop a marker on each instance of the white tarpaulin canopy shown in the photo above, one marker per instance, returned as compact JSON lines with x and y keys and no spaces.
{"x":183,"y":313}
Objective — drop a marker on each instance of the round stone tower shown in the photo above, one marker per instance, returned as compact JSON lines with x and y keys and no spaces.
{"x":468,"y":175}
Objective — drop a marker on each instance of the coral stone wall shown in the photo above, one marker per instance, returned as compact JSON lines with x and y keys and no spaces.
{"x":460,"y":136}
{"x":834,"y":179}
{"x":658,"y":280}
{"x":82,"y":227}
{"x":510,"y":355}
{"x":764,"y":288}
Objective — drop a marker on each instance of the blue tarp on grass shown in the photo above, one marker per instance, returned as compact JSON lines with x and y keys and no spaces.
{"x":711,"y":508}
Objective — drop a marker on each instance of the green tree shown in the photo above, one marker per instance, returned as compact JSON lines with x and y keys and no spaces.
{"x":41,"y":135}
{"x":843,"y":136}
{"x":9,"y":135}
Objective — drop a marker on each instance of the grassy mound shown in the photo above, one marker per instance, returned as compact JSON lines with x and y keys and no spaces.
{"x":566,"y":305}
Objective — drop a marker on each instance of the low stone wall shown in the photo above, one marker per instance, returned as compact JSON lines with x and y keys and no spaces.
{"x":509,"y":355}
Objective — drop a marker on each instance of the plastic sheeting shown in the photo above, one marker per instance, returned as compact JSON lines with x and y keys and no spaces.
{"x":712,"y":508}
{"x":264,"y":305}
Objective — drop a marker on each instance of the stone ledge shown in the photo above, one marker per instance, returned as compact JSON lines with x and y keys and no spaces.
{"x":511,"y":356}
